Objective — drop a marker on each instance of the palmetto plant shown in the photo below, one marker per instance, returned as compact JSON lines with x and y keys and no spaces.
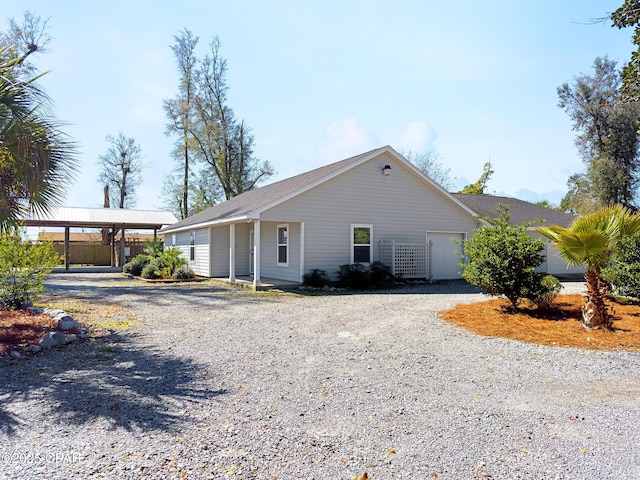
{"x":36,"y":159}
{"x":590,"y":241}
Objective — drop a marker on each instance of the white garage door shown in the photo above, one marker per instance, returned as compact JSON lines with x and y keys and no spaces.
{"x":444,"y":259}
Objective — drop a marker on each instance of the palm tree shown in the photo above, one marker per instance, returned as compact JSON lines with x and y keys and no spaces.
{"x":590,"y":241}
{"x":36,"y":159}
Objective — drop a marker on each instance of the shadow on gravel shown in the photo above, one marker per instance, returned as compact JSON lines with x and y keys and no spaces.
{"x":110,"y":383}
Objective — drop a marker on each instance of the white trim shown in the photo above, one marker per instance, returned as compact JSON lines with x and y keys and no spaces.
{"x":256,"y":254}
{"x":278,"y":244}
{"x":192,"y":247}
{"x":361,"y":225}
{"x":301,"y":250}
{"x":232,"y":252}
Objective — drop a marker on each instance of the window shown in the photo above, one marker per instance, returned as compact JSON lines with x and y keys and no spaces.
{"x":283,"y":245}
{"x":192,"y":246}
{"x":173,"y":240}
{"x":361,"y":243}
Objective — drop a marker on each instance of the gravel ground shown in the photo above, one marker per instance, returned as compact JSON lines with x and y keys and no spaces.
{"x":214,"y":383}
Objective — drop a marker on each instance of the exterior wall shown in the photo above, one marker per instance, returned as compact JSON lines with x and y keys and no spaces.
{"x":400,"y":207}
{"x":242,"y":248}
{"x":219,"y":251}
{"x":182,"y":242}
{"x":201,"y":263}
{"x":269,"y":248}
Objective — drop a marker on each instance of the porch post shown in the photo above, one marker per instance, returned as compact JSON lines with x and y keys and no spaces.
{"x":232,"y":252}
{"x":301,"y":250}
{"x":256,"y":254}
{"x":67,"y":252}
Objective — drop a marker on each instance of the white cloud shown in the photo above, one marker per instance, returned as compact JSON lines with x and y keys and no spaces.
{"x":417,"y":137}
{"x":345,"y":138}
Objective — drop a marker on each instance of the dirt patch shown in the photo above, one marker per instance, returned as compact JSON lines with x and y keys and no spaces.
{"x":558,"y":325}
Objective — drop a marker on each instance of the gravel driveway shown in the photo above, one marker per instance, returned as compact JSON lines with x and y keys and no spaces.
{"x":214,"y":383}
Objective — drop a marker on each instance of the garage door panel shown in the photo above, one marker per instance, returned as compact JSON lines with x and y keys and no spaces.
{"x":444,"y":255}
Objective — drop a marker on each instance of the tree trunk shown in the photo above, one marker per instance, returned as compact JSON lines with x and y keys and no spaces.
{"x":595,"y":315}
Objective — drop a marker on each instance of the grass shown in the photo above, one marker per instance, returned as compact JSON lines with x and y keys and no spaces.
{"x":558,"y":325}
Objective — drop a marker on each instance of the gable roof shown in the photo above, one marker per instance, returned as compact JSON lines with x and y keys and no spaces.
{"x":519,"y":210}
{"x":248,"y":205}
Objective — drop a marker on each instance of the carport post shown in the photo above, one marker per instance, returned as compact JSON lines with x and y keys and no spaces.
{"x":122,"y":241}
{"x":67,"y":253}
{"x":112,"y":243}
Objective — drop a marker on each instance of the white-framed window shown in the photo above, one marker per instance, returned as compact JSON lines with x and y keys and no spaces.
{"x":283,"y":245}
{"x":173,"y":239}
{"x":361,"y":243}
{"x":192,"y":246}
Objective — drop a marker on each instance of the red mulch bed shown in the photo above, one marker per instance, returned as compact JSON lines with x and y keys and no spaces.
{"x":20,"y":328}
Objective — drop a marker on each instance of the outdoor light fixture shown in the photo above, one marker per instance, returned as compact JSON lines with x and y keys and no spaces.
{"x":386,"y":170}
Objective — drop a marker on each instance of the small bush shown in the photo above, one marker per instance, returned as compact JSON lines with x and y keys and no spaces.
{"x":23,"y":266}
{"x":152,"y":270}
{"x":546,"y":293}
{"x":354,"y":275}
{"x":135,"y":266}
{"x":501,"y":258}
{"x":183,"y":272}
{"x":171,"y":260}
{"x":315,"y":278}
{"x":380,"y":275}
{"x":624,"y":272}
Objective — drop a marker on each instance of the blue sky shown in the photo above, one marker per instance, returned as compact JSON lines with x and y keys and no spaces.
{"x":474,"y":80}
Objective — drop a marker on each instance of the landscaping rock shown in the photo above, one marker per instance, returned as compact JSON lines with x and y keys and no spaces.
{"x":32,"y":349}
{"x":15,"y":354}
{"x":52,"y":339}
{"x":68,"y":323}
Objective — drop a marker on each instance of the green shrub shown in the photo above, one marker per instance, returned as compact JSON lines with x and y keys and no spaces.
{"x":152,"y":270}
{"x":154,"y":248}
{"x":135,"y":266}
{"x":380,"y":275}
{"x":183,"y":272}
{"x":624,"y":272}
{"x":316,"y":278}
{"x":171,"y":260}
{"x":23,"y":266}
{"x":501,"y":258}
{"x":546,"y":293}
{"x":354,"y":275}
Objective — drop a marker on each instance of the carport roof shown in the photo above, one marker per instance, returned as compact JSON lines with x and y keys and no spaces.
{"x":101,"y":218}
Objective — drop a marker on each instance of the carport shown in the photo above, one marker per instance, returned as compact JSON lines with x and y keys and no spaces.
{"x":112,"y":218}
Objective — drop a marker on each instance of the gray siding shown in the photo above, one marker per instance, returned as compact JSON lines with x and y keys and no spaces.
{"x":220,"y":251}
{"x":201,"y":264}
{"x":400,"y":206}
{"x":268,"y":252}
{"x":182,"y":242}
{"x":242,"y":248}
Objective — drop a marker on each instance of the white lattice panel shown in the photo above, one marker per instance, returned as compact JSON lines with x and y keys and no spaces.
{"x":407,"y":260}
